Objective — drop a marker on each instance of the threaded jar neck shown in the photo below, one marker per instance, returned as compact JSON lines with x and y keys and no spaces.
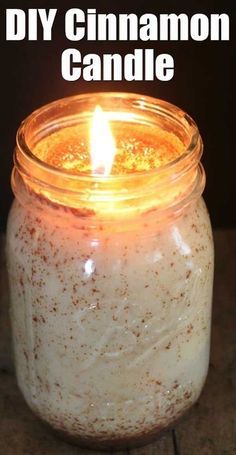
{"x":166,"y":188}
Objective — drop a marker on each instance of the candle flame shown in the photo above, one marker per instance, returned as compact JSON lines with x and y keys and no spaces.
{"x":103,"y":147}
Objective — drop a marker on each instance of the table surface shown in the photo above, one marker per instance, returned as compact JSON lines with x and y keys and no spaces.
{"x":210,"y":426}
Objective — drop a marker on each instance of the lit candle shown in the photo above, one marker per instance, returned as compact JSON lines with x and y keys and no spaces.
{"x":110,"y":262}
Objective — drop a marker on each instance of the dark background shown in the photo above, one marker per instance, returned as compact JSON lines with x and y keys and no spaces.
{"x":203,"y":85}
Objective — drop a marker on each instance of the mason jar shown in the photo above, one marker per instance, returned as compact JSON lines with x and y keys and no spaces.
{"x":110,"y":276}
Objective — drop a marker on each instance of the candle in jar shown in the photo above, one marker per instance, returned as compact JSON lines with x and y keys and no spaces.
{"x":110,"y":265}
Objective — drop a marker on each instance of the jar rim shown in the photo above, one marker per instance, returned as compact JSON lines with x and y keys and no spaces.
{"x":170,"y":186}
{"x":160,"y":106}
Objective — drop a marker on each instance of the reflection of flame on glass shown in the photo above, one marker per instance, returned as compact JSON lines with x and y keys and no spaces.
{"x":103,"y":146}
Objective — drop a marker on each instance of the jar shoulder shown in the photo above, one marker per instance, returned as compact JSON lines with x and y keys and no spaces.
{"x":184,"y":238}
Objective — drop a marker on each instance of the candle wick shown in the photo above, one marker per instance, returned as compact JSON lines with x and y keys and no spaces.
{"x":99,"y":171}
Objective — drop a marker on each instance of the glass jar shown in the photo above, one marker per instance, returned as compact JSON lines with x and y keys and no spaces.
{"x":110,"y":278}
